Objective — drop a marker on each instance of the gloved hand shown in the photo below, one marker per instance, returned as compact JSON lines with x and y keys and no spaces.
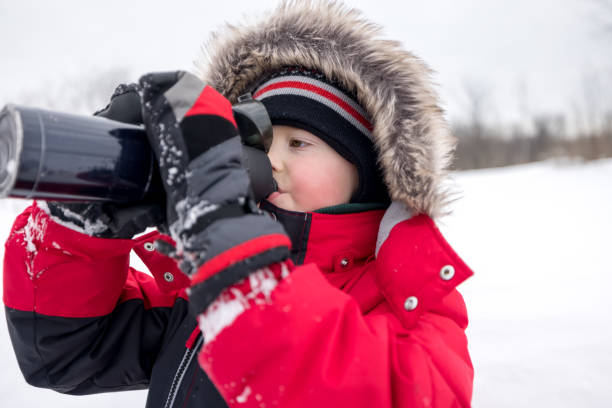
{"x":109,"y":220}
{"x":220,"y":233}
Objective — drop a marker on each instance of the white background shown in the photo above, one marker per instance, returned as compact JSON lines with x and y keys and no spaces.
{"x":524,"y":56}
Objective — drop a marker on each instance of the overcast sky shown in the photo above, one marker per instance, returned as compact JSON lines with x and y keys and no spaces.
{"x":525,"y":55}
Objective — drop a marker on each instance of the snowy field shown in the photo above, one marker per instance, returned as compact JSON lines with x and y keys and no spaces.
{"x":538,"y":239}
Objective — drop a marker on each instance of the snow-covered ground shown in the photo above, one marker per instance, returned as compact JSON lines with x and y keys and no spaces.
{"x":538,"y":239}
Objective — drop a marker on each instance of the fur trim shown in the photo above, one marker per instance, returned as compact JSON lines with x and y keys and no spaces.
{"x":413,"y":140}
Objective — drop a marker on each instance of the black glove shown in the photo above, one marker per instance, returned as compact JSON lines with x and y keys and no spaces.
{"x":220,"y":233}
{"x":110,"y":220}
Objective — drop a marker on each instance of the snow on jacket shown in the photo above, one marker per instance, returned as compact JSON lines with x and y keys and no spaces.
{"x":366,"y":321}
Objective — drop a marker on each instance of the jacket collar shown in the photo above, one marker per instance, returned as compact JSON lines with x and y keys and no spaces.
{"x":335,"y":242}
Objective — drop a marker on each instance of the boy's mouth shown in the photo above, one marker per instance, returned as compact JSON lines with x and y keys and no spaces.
{"x":273,"y":195}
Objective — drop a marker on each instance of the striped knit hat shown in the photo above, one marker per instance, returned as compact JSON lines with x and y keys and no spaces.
{"x":305,"y":99}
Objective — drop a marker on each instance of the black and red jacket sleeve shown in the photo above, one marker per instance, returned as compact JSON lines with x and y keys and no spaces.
{"x":80,"y":319}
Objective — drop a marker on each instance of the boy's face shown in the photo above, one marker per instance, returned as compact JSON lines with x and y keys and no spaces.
{"x":310,"y":174}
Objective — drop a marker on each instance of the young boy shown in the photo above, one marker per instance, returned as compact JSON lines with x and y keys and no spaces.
{"x":341,"y":294}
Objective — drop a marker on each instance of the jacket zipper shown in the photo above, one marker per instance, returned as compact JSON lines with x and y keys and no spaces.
{"x":180,"y":372}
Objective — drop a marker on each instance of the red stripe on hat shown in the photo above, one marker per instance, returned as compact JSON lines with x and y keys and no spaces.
{"x":320,"y":91}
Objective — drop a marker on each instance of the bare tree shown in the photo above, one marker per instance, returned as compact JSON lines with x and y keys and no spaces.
{"x":470,"y":135}
{"x":603,"y":14}
{"x":540,"y":137}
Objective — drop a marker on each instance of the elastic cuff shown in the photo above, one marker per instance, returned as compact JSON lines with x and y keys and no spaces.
{"x":245,"y":251}
{"x":202,"y":294}
{"x":256,"y":289}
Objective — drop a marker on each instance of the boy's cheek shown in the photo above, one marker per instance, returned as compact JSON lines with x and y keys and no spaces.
{"x":307,"y":181}
{"x":317,"y":189}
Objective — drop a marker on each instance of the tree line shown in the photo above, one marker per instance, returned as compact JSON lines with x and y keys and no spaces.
{"x":481,"y":146}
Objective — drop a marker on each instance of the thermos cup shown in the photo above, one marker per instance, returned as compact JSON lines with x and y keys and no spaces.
{"x":64,"y":157}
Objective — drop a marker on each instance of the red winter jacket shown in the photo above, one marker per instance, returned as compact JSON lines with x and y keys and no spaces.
{"x":355,"y":325}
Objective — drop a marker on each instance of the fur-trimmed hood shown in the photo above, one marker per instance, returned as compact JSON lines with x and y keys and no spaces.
{"x":411,"y":135}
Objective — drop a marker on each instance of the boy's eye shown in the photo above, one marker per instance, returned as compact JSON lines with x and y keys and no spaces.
{"x":296,"y":143}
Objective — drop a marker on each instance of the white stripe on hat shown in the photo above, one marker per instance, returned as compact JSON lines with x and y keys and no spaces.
{"x":321,"y":92}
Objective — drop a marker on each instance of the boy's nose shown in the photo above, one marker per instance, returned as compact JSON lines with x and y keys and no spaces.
{"x":274,"y":157}
{"x":274,"y":163}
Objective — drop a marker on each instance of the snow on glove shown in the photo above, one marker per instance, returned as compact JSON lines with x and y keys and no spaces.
{"x":220,"y":233}
{"x":110,"y":220}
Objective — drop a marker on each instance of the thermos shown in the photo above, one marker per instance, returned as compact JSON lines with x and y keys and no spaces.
{"x":64,"y":157}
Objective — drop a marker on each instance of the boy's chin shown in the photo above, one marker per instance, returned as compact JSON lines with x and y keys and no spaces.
{"x":284,"y":201}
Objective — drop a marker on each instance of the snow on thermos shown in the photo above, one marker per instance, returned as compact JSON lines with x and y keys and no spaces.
{"x":63,"y":157}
